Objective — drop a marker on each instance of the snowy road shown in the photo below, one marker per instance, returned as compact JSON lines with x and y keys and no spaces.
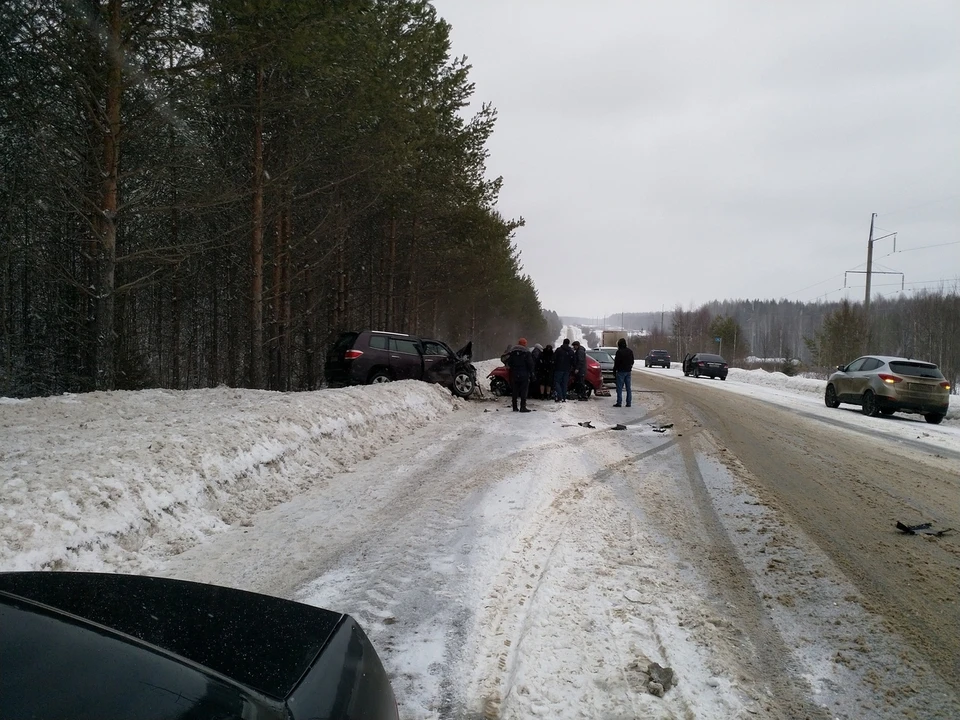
{"x":520,"y":566}
{"x":516,"y":566}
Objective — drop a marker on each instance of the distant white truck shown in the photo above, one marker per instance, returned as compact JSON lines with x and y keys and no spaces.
{"x":609,"y":337}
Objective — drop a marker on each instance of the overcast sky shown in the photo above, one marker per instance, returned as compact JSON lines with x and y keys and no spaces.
{"x":658,"y":149}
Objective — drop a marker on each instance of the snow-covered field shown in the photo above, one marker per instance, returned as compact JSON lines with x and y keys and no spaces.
{"x":250,"y":488}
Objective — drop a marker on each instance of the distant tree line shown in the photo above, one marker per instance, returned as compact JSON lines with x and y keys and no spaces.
{"x":204,"y":192}
{"x":820,"y":336}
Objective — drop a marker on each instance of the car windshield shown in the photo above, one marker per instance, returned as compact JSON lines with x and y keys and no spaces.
{"x":659,"y":352}
{"x":916,"y":369}
{"x":710,"y":358}
{"x":600,"y":356}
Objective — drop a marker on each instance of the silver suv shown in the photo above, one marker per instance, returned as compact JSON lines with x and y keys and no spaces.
{"x":883,"y":385}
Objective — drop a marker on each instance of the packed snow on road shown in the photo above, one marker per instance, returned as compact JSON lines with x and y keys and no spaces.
{"x":504,"y":565}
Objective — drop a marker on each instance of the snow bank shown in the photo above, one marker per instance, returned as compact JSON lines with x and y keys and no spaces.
{"x":778,"y":380}
{"x":805,"y":385}
{"x":116,"y":481}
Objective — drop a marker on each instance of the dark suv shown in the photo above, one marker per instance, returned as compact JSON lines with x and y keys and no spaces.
{"x":705,"y":364}
{"x":374,"y":356}
{"x":657,"y":357}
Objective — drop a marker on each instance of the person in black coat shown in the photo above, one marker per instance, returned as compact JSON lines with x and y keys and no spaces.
{"x":563,"y":359}
{"x":580,"y":370}
{"x":545,"y":372}
{"x":520,"y":361}
{"x":623,"y":368}
{"x":537,"y":352}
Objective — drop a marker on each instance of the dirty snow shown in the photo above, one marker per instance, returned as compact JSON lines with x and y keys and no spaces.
{"x":480,"y":553}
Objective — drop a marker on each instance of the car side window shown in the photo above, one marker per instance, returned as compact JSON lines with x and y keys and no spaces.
{"x":378,"y":342}
{"x":870,"y":364}
{"x":431,"y":348}
{"x":856,"y":365}
{"x":409,"y":347}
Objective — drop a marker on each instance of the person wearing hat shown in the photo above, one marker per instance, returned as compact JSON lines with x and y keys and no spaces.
{"x":520,"y":361}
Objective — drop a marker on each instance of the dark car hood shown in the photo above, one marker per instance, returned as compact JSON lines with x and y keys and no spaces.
{"x":466,"y":351}
{"x":263,"y":642}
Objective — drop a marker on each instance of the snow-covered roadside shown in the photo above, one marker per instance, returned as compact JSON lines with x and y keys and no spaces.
{"x":117,"y":481}
{"x":534,"y":546}
{"x":802,"y":388}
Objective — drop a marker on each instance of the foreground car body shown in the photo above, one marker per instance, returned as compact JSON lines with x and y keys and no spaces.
{"x":500,"y":380}
{"x":90,"y":645}
{"x":374,"y":356}
{"x":605,"y":360}
{"x":883,"y":385}
{"x":705,"y":365}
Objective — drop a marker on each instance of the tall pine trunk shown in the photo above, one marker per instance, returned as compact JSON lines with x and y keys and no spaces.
{"x":256,"y":241}
{"x":104,"y":370}
{"x":390,"y":318}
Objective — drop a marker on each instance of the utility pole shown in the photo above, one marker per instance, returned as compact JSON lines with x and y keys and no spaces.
{"x":866,"y":297}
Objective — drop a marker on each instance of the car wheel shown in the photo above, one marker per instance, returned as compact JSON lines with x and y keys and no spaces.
{"x":723,"y":377}
{"x":868,"y":404}
{"x":499,"y":387}
{"x":830,"y":397}
{"x":380,"y":376}
{"x":887,"y":411}
{"x":464,"y":384}
{"x":933,"y":418}
{"x":696,"y":372}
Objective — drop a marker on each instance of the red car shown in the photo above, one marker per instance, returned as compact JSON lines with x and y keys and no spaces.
{"x":500,"y":380}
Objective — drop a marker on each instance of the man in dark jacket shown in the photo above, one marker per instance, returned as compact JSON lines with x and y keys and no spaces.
{"x":563,"y":359}
{"x":545,"y":372}
{"x":580,"y":370}
{"x":520,"y":361}
{"x":623,"y":368}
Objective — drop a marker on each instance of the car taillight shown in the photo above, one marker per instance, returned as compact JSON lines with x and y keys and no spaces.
{"x":889,"y":379}
{"x":352,"y":354}
{"x":945,"y":385}
{"x":700,"y":363}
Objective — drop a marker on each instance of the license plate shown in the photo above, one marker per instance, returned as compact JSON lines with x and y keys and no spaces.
{"x":920,"y":387}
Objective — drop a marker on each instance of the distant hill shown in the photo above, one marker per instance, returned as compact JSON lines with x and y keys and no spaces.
{"x":636,"y":322}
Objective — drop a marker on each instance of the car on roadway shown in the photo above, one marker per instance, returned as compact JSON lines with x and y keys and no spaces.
{"x":374,"y":356}
{"x":605,"y":361}
{"x":500,"y":381}
{"x":657,"y":357}
{"x":883,"y":385}
{"x":100,"y":645}
{"x":705,"y":365}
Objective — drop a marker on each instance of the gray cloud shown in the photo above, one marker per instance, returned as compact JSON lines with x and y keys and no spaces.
{"x":687,"y":151}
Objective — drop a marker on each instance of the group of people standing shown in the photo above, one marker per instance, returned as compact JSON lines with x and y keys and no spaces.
{"x":546,"y":370}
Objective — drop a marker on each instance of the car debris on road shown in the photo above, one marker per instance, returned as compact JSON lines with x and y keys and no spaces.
{"x":921,"y":529}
